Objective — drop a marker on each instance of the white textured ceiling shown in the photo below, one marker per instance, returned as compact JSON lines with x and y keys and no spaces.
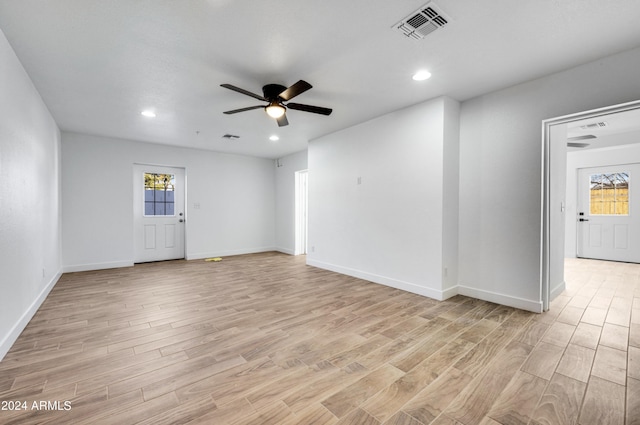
{"x":98,"y":63}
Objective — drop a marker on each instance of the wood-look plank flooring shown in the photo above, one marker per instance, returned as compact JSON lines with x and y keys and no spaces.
{"x":264,"y":339}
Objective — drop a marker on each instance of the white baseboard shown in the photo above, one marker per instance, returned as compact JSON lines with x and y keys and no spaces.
{"x":286,"y":251}
{"x":97,"y":266}
{"x":11,"y":337}
{"x":196,"y":256}
{"x":515,"y":302}
{"x":387,"y":281}
{"x":201,"y":255}
{"x":450,"y":292}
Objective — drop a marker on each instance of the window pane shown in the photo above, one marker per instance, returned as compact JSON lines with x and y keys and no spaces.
{"x":158,"y":190}
{"x":159,"y":209}
{"x":609,"y":194}
{"x":148,"y":208}
{"x":149,"y":180}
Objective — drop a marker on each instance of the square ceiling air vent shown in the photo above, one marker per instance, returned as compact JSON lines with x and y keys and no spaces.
{"x":422,"y":22}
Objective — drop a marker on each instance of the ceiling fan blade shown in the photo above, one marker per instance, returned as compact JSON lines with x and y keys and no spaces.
{"x":309,"y":108}
{"x":235,"y":111}
{"x":296,"y":89}
{"x":243,"y":91}
{"x":282,"y":121}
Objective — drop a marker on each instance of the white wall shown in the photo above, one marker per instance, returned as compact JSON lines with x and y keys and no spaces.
{"x":286,"y":200}
{"x":376,"y":199}
{"x":451,"y":194}
{"x":500,"y":172}
{"x":29,"y":199}
{"x":236,"y":196}
{"x":626,"y":154}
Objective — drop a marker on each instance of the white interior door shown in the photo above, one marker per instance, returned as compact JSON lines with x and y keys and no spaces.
{"x":608,"y":227}
{"x":158,"y":199}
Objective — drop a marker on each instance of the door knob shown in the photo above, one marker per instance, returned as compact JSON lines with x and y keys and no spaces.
{"x":181,"y":220}
{"x":584,"y":219}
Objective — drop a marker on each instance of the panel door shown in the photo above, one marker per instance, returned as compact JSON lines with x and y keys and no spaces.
{"x":159,"y":220}
{"x":607,"y":221}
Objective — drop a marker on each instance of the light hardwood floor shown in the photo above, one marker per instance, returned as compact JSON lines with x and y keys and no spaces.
{"x":265,"y":339}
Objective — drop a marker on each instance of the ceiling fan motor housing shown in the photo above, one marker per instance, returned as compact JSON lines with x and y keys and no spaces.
{"x":271,"y":91}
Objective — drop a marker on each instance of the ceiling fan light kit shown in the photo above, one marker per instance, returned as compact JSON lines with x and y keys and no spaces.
{"x":276,"y":95}
{"x":275,"y":110}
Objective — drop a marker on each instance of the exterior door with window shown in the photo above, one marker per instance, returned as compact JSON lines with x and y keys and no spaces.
{"x":158,"y":213}
{"x":608,"y":227}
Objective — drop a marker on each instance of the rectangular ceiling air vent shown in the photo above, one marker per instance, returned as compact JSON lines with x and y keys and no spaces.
{"x":595,"y":125}
{"x":422,"y":22}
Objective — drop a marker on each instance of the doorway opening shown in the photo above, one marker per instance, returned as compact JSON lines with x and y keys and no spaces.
{"x":301,"y":201}
{"x":559,"y":211}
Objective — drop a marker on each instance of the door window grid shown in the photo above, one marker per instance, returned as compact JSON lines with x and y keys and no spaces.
{"x":159,"y":190}
{"x":609,"y":194}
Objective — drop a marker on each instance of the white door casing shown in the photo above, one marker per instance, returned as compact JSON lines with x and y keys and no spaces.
{"x":301,"y":209}
{"x":554,"y":157}
{"x":158,"y":235}
{"x":611,"y":233}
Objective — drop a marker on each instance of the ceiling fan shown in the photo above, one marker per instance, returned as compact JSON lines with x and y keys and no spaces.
{"x":276,"y":94}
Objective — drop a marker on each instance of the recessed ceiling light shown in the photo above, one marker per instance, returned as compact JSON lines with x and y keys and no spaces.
{"x":421,"y":75}
{"x":274,"y":138}
{"x":149,"y":113}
